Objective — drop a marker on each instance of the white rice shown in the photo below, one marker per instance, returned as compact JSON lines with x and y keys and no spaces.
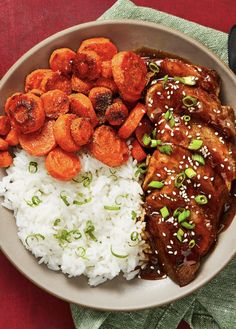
{"x":98,"y":260}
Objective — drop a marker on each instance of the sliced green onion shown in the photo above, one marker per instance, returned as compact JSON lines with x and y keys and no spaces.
{"x":166,"y":149}
{"x":188,"y":225}
{"x":80,"y":203}
{"x":154,"y":132}
{"x":178,"y":211}
{"x":185,"y":214}
{"x":168,"y":115}
{"x":198,"y":158}
{"x":35,"y":201}
{"x":118,"y":199}
{"x":195,"y":144}
{"x":146,"y":139}
{"x":191,"y":244}
{"x":190,"y":173}
{"x":189,"y":101}
{"x":189,"y":81}
{"x":89,"y":229}
{"x":164,"y":212}
{"x":33,"y":167}
{"x":186,"y":118}
{"x":155,"y":142}
{"x":142,"y":169}
{"x":75,"y":234}
{"x":179,"y":179}
{"x":156,"y":184}
{"x":57,"y":221}
{"x":118,"y":255}
{"x":153,"y":67}
{"x":134,"y":236}
{"x":180,"y":234}
{"x":115,"y":208}
{"x":133,"y":215}
{"x":164,"y":80}
{"x":63,"y":237}
{"x":88,"y":177}
{"x":201,"y":199}
{"x":172,"y":122}
{"x":36,"y":236}
{"x":64,"y":199}
{"x":81,"y":252}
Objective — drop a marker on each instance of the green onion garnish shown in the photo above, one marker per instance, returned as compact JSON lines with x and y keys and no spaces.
{"x":64,"y":199}
{"x":179,"y":179}
{"x":180,"y":234}
{"x":201,"y":199}
{"x":88,"y":177}
{"x":33,"y":167}
{"x":142,"y":169}
{"x":118,"y":199}
{"x":189,"y":81}
{"x":183,"y":215}
{"x":63,"y":237}
{"x":133,"y":215}
{"x":153,"y":67}
{"x":134,"y":236}
{"x":36,"y":236}
{"x":191,"y":244}
{"x":166,"y":149}
{"x":56,"y":221}
{"x":35,"y":201}
{"x":118,"y":255}
{"x":154,"y":132}
{"x":156,"y":184}
{"x":164,"y":80}
{"x":195,"y":144}
{"x":155,"y":142}
{"x":188,"y":225}
{"x":186,"y":118}
{"x":190,"y":173}
{"x":168,"y":115}
{"x":115,"y":208}
{"x":172,"y":122}
{"x":164,"y":212}
{"x":198,"y":158}
{"x":89,"y":229}
{"x":146,"y":139}
{"x":82,"y":202}
{"x":81,"y":252}
{"x":189,"y":101}
{"x":75,"y":234}
{"x":178,"y":211}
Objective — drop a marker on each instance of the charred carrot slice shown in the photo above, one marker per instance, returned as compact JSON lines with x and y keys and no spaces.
{"x":40,"y":142}
{"x":5,"y":125}
{"x":116,"y":113}
{"x":108,"y":148}
{"x":55,"y":103}
{"x":137,"y":151}
{"x":87,"y":65}
{"x":82,"y":106}
{"x":129,"y":73}
{"x":3,"y":145}
{"x":107,"y":83}
{"x":34,"y":79}
{"x":132,"y":121}
{"x":102,"y":46}
{"x":12,"y":137}
{"x":56,"y":80}
{"x":5,"y":159}
{"x":101,"y":98}
{"x":144,"y":127}
{"x":26,"y":112}
{"x":61,"y":60}
{"x":81,"y":131}
{"x":106,"y":69}
{"x":10,"y":100}
{"x":62,"y":165}
{"x":62,"y":133}
{"x":81,"y":86}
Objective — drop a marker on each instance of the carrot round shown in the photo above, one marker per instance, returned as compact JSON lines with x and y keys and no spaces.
{"x":81,"y":86}
{"x":5,"y":125}
{"x":116,"y":114}
{"x":102,"y":46}
{"x":101,"y":98}
{"x":144,"y":127}
{"x":36,"y":92}
{"x":62,"y":165}
{"x":132,"y":121}
{"x":3,"y":144}
{"x":62,"y":133}
{"x":106,"y":71}
{"x":12,"y":137}
{"x":82,"y":106}
{"x":26,"y":112}
{"x":129,"y":72}
{"x":107,"y":83}
{"x":61,"y":60}
{"x":40,"y":142}
{"x":5,"y":159}
{"x":55,"y":103}
{"x":137,"y":151}
{"x":55,"y":80}
{"x":81,"y":131}
{"x":34,"y":79}
{"x":87,"y":65}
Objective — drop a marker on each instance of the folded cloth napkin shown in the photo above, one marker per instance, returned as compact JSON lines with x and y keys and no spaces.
{"x":213,"y":306}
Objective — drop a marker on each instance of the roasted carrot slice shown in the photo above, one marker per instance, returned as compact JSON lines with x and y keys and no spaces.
{"x":81,"y":86}
{"x":5,"y":125}
{"x":82,"y":106}
{"x":61,"y":60}
{"x":5,"y":159}
{"x":34,"y":79}
{"x":132,"y":121}
{"x":26,"y":112}
{"x":144,"y":127}
{"x":55,"y":80}
{"x":137,"y":151}
{"x":36,"y":92}
{"x":62,"y":165}
{"x":107,"y":83}
{"x":55,"y":103}
{"x":102,"y":46}
{"x":101,"y":98}
{"x":62,"y":133}
{"x":106,"y":69}
{"x":87,"y":65}
{"x":81,"y":131}
{"x":3,"y":145}
{"x":12,"y":137}
{"x":129,"y":72}
{"x":108,"y":148}
{"x":40,"y":142}
{"x":10,"y":100}
{"x":116,"y":113}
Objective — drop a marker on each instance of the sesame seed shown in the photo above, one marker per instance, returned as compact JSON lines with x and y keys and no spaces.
{"x":170,"y":252}
{"x":163,"y":233}
{"x":175,"y":253}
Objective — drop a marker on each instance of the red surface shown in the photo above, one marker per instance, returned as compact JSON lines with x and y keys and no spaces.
{"x":23,"y":24}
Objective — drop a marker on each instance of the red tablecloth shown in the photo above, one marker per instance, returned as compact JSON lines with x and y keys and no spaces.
{"x":23,"y":24}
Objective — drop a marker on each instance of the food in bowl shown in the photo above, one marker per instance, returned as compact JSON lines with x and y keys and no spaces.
{"x":104,"y":122}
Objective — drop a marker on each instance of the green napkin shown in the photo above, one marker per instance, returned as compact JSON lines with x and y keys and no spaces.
{"x":213,"y":306}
